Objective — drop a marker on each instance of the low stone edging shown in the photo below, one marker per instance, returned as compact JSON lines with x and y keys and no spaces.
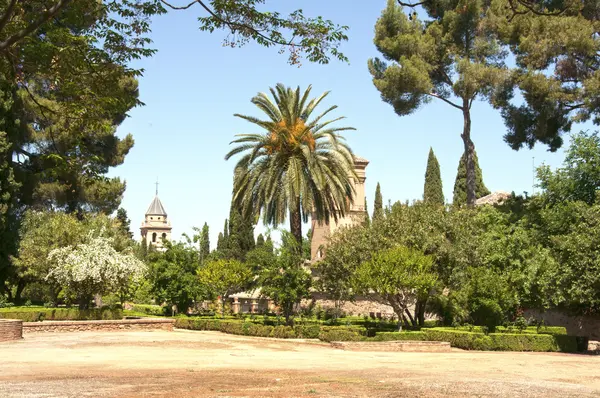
{"x":106,"y":325}
{"x":393,"y":346}
{"x":11,"y":329}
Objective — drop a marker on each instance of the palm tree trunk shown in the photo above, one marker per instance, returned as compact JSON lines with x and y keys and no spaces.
{"x":296,"y":223}
{"x":469,"y":153}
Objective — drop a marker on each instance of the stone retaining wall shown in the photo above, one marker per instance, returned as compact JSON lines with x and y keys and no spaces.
{"x":584,"y":325}
{"x":11,"y":329}
{"x":393,"y":346}
{"x":109,"y":325}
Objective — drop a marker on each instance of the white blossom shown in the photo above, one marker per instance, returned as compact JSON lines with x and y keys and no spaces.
{"x":94,"y":267}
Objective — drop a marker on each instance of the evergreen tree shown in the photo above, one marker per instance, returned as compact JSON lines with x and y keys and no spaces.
{"x":226,"y":235}
{"x":220,"y":242}
{"x":460,"y":184}
{"x":125,"y":224}
{"x":433,"y":192}
{"x":269,"y":243}
{"x":241,"y":233}
{"x":378,"y":208}
{"x":367,"y":221}
{"x":260,"y":240}
{"x":204,"y":243}
{"x":451,"y":55}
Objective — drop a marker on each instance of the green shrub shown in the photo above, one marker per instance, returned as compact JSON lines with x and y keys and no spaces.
{"x":339,"y":335}
{"x":283,"y":332}
{"x":154,"y":310}
{"x":36,"y":314}
{"x":503,"y":341}
{"x":307,"y":331}
{"x":401,"y":336}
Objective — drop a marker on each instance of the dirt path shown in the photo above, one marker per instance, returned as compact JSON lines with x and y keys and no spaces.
{"x":210,"y":364}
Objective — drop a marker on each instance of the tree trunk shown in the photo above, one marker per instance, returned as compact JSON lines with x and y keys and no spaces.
{"x":469,"y":153}
{"x":420,"y":311}
{"x":296,"y":223}
{"x":412,"y":320}
{"x":20,"y":287}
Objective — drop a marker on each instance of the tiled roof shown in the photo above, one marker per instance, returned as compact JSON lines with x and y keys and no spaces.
{"x":156,"y":208}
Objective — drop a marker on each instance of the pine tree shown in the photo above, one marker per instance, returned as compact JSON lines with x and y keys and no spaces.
{"x":204,"y":243}
{"x":460,"y":184}
{"x":378,"y":208}
{"x":433,"y":192}
{"x":125,"y":224}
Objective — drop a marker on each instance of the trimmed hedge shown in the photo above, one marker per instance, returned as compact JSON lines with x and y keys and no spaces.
{"x":37,"y":314}
{"x":402,"y":336}
{"x":464,"y":339}
{"x":511,"y":329}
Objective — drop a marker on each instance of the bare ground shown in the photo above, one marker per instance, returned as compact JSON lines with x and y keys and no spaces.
{"x":211,"y":364}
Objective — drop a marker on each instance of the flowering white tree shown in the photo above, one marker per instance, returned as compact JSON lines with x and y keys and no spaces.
{"x":93,"y":268}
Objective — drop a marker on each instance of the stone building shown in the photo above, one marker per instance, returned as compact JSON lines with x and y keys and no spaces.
{"x":156,"y":227}
{"x":356,"y":214}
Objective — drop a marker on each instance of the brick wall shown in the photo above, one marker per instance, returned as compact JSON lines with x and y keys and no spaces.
{"x":11,"y":329}
{"x":109,"y":325}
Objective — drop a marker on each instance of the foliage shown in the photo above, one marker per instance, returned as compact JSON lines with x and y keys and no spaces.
{"x":579,"y":178}
{"x":399,"y":277}
{"x":454,"y":56}
{"x":224,"y":277}
{"x":299,"y":165}
{"x":204,"y":243}
{"x":557,"y":68}
{"x":94,"y":267}
{"x":154,"y":310}
{"x":433,"y":192}
{"x":378,"y":205}
{"x":460,"y":183}
{"x":38,"y":314}
{"x":283,"y":279}
{"x":125,"y":223}
{"x":173,"y":276}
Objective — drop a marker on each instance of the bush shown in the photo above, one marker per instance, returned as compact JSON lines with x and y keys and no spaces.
{"x":37,"y":314}
{"x":339,"y":335}
{"x":504,"y":341}
{"x":307,"y":331}
{"x":154,"y":310}
{"x":283,"y":332}
{"x":399,"y":336}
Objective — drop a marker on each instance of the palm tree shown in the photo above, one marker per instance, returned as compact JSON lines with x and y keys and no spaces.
{"x":298,"y":165}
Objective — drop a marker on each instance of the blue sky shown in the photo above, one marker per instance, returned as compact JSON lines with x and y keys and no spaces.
{"x":194,"y":85}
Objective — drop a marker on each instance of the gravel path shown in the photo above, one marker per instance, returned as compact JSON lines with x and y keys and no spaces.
{"x":211,"y":364}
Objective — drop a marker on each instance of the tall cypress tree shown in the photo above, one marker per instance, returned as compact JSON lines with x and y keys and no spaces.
{"x":378,"y":208}
{"x":460,"y":184}
{"x":432,"y":191}
{"x":241,"y":233}
{"x":260,"y":240}
{"x":125,"y":224}
{"x":204,"y":242}
{"x":220,"y":243}
{"x":367,"y":221}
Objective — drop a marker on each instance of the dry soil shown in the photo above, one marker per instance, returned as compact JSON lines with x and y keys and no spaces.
{"x":211,"y":364}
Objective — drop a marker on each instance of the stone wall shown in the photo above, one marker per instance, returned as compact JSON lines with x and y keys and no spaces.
{"x":361,"y":306}
{"x":394,"y":346}
{"x":576,"y":325}
{"x":11,"y":329}
{"x":112,"y":325}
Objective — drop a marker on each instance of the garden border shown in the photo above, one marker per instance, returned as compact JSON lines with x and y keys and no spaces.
{"x":11,"y":329}
{"x":105,"y":325}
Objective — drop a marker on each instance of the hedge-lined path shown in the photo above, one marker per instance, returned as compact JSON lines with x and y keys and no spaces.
{"x":212,"y":364}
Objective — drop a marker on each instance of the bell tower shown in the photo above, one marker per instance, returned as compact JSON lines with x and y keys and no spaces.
{"x":156,"y":227}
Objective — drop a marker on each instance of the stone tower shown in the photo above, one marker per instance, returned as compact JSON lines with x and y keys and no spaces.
{"x":355,"y":215}
{"x":156,"y":228}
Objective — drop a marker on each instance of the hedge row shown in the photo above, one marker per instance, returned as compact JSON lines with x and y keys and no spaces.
{"x":511,"y":329}
{"x":37,"y":314}
{"x":154,"y":310}
{"x":249,"y":328}
{"x":457,"y":338}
